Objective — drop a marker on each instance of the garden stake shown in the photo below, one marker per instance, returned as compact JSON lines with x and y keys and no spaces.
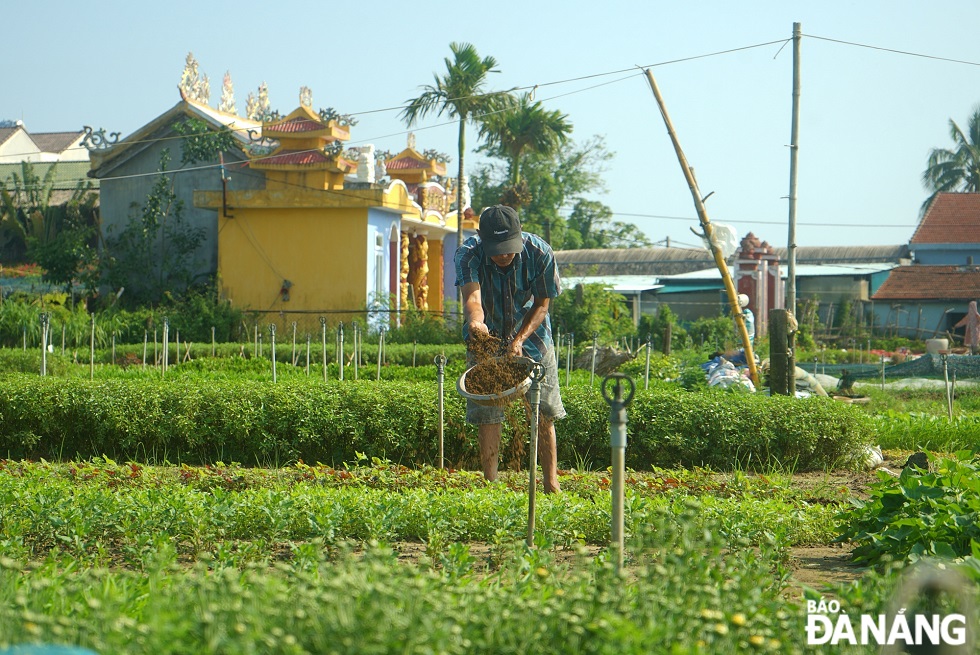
{"x":646,"y":374}
{"x":440,"y":361}
{"x":166,"y":344}
{"x":949,"y":397}
{"x":177,"y":341}
{"x":91,"y":352}
{"x":340,"y":350}
{"x":307,"y":354}
{"x":44,"y":344}
{"x":272,"y":331}
{"x":292,"y":356}
{"x":617,"y":442}
{"x":114,"y":348}
{"x":62,"y":340}
{"x":260,"y":344}
{"x":212,"y":341}
{"x":415,"y":347}
{"x":381,"y":347}
{"x":25,"y":337}
{"x":595,"y":344}
{"x":154,"y":346}
{"x":143,"y":366}
{"x":255,"y":351}
{"x":882,"y":372}
{"x":323,"y":330}
{"x":534,"y":397}
{"x":357,"y":345}
{"x":568,"y":359}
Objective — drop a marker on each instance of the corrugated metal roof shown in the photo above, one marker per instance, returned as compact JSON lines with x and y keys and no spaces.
{"x":620,"y":283}
{"x":675,"y":261}
{"x":805,"y":270}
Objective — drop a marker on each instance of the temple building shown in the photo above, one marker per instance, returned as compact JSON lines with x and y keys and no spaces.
{"x":292,"y":221}
{"x":332,"y":229}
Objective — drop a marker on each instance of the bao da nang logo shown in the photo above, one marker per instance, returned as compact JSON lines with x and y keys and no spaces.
{"x":932,"y":610}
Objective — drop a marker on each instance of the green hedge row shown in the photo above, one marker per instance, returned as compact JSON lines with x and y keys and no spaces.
{"x":253,"y":422}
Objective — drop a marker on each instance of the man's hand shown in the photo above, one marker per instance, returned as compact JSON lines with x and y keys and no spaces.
{"x":516,"y":348}
{"x":477,"y":327}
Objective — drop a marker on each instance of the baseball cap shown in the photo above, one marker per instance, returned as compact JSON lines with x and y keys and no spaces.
{"x":500,"y":231}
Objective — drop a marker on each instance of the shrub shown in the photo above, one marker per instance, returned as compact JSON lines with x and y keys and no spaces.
{"x":190,"y":419}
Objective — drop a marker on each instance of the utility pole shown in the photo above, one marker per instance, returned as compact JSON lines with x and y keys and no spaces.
{"x":794,"y":154}
{"x":707,"y":231}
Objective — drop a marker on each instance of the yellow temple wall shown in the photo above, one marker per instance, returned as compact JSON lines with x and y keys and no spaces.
{"x":313,"y":248}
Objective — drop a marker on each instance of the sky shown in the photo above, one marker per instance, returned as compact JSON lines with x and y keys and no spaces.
{"x":880,"y":82}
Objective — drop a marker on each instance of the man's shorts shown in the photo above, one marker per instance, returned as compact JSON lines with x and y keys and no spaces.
{"x":551,"y":406}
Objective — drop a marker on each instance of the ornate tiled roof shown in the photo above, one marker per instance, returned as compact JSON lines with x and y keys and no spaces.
{"x":931,"y":283}
{"x":295,"y":158}
{"x":296,"y":125}
{"x":406,"y":164}
{"x":951,"y":218}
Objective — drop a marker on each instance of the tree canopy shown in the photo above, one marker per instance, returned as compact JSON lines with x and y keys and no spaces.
{"x":956,"y":169}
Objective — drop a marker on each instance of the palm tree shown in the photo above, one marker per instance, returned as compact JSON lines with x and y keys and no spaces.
{"x":459,"y":94}
{"x":527,"y":128}
{"x":958,"y":169}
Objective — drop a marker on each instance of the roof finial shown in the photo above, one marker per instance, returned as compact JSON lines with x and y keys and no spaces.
{"x":305,"y":96}
{"x":411,"y":140}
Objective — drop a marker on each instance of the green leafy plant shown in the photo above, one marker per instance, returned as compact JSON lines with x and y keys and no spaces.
{"x":919,"y":513}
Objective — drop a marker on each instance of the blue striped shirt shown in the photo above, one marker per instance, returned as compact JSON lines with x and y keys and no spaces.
{"x":508,"y":294}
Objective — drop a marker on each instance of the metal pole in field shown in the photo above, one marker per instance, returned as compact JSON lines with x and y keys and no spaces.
{"x":882,"y":372}
{"x":617,"y":442}
{"x":272,"y":332}
{"x":260,"y":344}
{"x":166,"y":344}
{"x":568,"y":359}
{"x":415,"y":347}
{"x":357,"y":345}
{"x":177,"y":342}
{"x":44,"y":343}
{"x":440,"y":361}
{"x":145,"y":338}
{"x":646,"y":374}
{"x":212,"y":342}
{"x":381,"y":347}
{"x":595,"y":345}
{"x":24,"y":330}
{"x":534,"y":398}
{"x":154,"y":346}
{"x":114,"y":348}
{"x":340,"y":350}
{"x":308,"y":354}
{"x":323,"y":331}
{"x":255,"y":351}
{"x":91,"y":352}
{"x":949,"y":398}
{"x":292,"y":357}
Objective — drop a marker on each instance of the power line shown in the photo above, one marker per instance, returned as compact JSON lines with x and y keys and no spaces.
{"x":892,"y":50}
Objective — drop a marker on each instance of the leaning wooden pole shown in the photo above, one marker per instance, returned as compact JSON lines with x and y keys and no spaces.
{"x":708,"y":230}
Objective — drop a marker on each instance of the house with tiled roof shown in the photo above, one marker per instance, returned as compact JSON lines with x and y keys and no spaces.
{"x":929,"y":296}
{"x":18,"y":145}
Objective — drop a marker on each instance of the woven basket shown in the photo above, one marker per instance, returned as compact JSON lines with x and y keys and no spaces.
{"x":497,"y":399}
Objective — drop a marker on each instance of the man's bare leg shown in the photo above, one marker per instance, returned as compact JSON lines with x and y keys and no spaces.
{"x":548,"y":454}
{"x":489,"y":438}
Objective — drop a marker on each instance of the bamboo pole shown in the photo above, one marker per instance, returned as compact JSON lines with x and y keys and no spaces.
{"x":708,"y":231}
